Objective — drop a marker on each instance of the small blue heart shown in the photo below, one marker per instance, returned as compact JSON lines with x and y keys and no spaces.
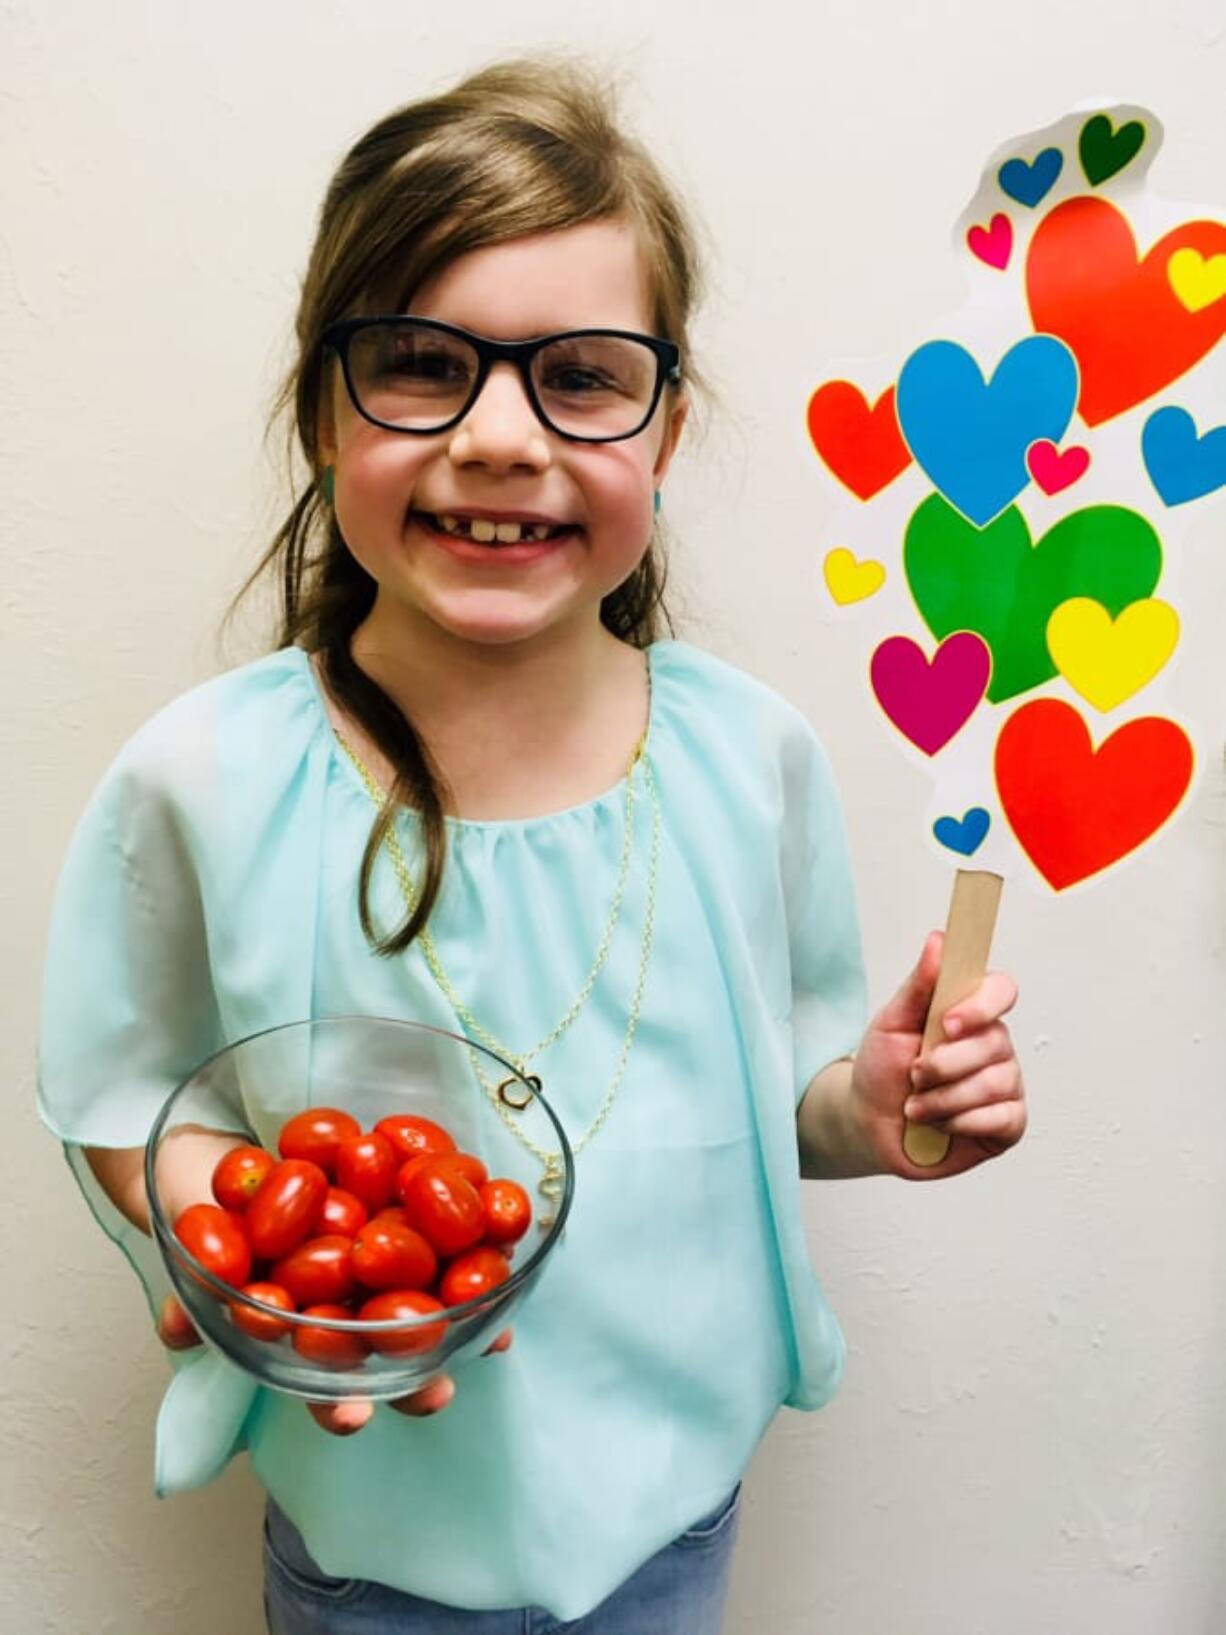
{"x":1030,"y":184}
{"x":964,"y":835}
{"x":971,"y":435}
{"x":1181,"y":465}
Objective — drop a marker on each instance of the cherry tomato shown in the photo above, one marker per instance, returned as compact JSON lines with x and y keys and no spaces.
{"x":472,"y":1274}
{"x":239,"y":1175}
{"x":407,"y":1303}
{"x":262,"y":1325}
{"x":287,"y":1207}
{"x":315,"y":1134}
{"x":366,"y":1165}
{"x":393,"y":1212}
{"x":217,"y":1241}
{"x":330,"y":1347}
{"x":342,"y":1213}
{"x":410,"y":1134}
{"x":388,"y":1254}
{"x":508,"y":1210}
{"x":318,"y":1272}
{"x":443,"y":1206}
{"x":460,"y":1163}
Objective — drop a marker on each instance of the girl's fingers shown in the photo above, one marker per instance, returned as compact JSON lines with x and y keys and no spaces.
{"x":999,"y":1082}
{"x":175,"y":1328}
{"x":946,"y":1062}
{"x":995,"y":996}
{"x":341,"y":1418}
{"x":429,"y":1400}
{"x":1002,"y":1124}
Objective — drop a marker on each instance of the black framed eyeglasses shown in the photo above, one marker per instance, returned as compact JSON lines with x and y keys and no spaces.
{"x":421,"y":376}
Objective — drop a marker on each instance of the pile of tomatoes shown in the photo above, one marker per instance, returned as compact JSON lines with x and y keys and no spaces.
{"x":391,"y":1222}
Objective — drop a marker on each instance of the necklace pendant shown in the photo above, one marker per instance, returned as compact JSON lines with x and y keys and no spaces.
{"x":518,"y":1098}
{"x":551,"y":1186}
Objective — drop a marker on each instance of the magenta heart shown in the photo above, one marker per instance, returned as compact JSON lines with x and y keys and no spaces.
{"x":1053,"y":470}
{"x":930,"y":702}
{"x":993,"y":244}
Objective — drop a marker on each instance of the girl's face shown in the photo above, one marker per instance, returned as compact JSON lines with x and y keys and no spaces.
{"x":500,"y":463}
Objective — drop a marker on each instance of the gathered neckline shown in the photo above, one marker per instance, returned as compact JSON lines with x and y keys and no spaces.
{"x":455,"y":825}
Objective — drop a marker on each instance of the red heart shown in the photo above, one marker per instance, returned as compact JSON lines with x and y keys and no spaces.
{"x":1075,"y":809}
{"x":1054,"y":471}
{"x":1131,"y":334}
{"x":994,"y":244}
{"x":862,"y":446}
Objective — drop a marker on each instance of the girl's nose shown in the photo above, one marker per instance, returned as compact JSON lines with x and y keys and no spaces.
{"x":501,"y":429}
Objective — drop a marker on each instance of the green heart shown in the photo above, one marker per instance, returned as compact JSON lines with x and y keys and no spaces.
{"x":1105,"y":151}
{"x":997,"y":582}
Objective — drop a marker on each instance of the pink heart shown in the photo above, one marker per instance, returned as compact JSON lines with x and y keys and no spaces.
{"x":993,"y":244}
{"x":1053,"y":470}
{"x":930,"y":702}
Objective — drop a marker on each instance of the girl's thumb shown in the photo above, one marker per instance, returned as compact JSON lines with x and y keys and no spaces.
{"x":907,"y":1012}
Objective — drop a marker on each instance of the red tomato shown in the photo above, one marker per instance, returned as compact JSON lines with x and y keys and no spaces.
{"x":318,"y":1272}
{"x":315,"y":1134}
{"x":473,"y":1274}
{"x":411,"y":1135}
{"x":393,"y":1212}
{"x":408,"y":1303}
{"x":390,"y":1255}
{"x":239,"y":1175}
{"x":460,"y":1163}
{"x":443,"y":1206}
{"x":262,"y":1325}
{"x":508,"y":1210}
{"x":330,"y":1347}
{"x":287,"y":1208}
{"x":366,"y":1165}
{"x":342,"y":1213}
{"x":217,"y":1241}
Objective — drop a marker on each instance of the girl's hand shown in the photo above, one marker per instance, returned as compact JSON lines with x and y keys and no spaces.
{"x":969,"y":1084}
{"x":176,"y":1331}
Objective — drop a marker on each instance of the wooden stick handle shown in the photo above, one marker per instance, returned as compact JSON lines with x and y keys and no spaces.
{"x":964,"y":960}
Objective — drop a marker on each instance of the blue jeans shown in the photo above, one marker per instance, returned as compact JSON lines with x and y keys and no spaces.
{"x":679,"y":1591}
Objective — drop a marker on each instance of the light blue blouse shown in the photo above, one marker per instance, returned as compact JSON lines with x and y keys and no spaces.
{"x":210,"y":891}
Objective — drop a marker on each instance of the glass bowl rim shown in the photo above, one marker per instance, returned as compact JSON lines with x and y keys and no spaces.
{"x":169,"y":1244}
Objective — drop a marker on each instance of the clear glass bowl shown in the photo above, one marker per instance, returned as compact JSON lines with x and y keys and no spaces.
{"x":370,"y":1067}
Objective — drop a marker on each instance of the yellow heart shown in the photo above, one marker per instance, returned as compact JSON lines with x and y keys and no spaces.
{"x":1108,"y":660}
{"x":1196,"y":281}
{"x":848,"y":580}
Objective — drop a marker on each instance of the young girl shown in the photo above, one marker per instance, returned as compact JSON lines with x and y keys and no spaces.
{"x":470,"y":776}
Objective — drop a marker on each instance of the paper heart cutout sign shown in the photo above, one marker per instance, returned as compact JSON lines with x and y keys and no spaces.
{"x":1000,"y":583}
{"x":1131,"y":333}
{"x":1030,"y":182}
{"x":1055,"y":471}
{"x":1197,"y":280}
{"x":930,"y":702}
{"x":862,"y":446}
{"x":1109,"y":660}
{"x":993,"y":245}
{"x":970,"y":434}
{"x":1076,"y":810}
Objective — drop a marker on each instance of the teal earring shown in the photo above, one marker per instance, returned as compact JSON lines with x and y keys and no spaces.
{"x":327,"y":483}
{"x":656,"y":503}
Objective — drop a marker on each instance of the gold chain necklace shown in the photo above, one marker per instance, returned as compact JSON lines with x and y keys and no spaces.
{"x":551,"y":1185}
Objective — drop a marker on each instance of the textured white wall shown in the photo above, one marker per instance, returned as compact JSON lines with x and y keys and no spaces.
{"x":1033,"y":1429}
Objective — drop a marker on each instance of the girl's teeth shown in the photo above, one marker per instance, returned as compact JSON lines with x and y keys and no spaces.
{"x":486,"y":532}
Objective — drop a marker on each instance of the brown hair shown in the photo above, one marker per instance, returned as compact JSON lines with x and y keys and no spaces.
{"x":522,"y":147}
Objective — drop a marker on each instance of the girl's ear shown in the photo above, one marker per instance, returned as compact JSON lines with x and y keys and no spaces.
{"x":673,"y":424}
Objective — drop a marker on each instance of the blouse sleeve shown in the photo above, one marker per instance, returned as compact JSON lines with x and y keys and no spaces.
{"x":128,"y":1008}
{"x":828,"y":984}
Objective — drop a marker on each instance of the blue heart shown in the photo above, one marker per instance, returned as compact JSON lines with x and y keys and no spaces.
{"x":1029,"y":184}
{"x":965,"y":836}
{"x":1182,"y":466}
{"x":971,"y":437}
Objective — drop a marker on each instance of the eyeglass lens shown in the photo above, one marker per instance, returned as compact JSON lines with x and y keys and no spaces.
{"x":421,"y":378}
